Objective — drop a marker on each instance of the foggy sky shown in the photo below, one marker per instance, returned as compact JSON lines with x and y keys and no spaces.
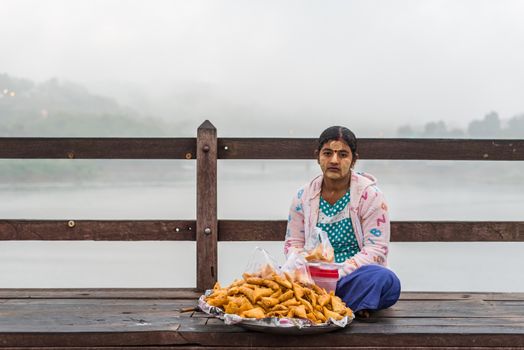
{"x":368,"y":64}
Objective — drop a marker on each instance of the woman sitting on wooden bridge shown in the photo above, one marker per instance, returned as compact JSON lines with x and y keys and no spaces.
{"x":349,"y":207}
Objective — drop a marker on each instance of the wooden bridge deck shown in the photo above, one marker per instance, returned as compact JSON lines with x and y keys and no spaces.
{"x":152,"y":318}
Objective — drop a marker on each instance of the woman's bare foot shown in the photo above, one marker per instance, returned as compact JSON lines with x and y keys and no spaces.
{"x":363,"y":314}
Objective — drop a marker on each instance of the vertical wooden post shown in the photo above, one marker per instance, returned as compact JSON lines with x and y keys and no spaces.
{"x":207,"y":224}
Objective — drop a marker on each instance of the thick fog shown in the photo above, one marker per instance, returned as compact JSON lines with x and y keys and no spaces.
{"x":373,"y":65}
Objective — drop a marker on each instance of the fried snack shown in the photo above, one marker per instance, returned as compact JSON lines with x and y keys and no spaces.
{"x":283,"y":282}
{"x":255,"y":280}
{"x":259,"y":293}
{"x":218,"y":298}
{"x":331,"y":314}
{"x":237,"y":305}
{"x":306,"y":303}
{"x":277,"y":313}
{"x":263,"y":282}
{"x":266,"y":271}
{"x":277,"y":294}
{"x":324,"y":299}
{"x":338,"y":305}
{"x":291,"y":302}
{"x":312,"y":317}
{"x":271,"y":284}
{"x":321,"y":254}
{"x":268,"y":302}
{"x":279,"y":307}
{"x":248,"y":293}
{"x":299,"y":291}
{"x":300,"y":311}
{"x":311,"y":295}
{"x":286,"y":296}
{"x":318,"y":290}
{"x":320,"y":316}
{"x":269,"y":294}
{"x":256,"y":312}
{"x":315,"y":254}
{"x":237,"y":283}
{"x":233,"y":291}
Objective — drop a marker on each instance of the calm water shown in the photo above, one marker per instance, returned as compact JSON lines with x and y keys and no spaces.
{"x":421,"y":266}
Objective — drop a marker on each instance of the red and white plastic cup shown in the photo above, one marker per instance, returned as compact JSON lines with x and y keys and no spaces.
{"x":324,"y":277}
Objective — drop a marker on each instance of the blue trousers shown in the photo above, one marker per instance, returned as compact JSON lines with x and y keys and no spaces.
{"x":370,"y":287}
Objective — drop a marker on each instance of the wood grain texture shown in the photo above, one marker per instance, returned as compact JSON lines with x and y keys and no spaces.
{"x":255,"y":148}
{"x":207,"y":221}
{"x":100,"y":293}
{"x":442,"y":322}
{"x":368,"y":148}
{"x":246,"y":230}
{"x":97,"y":148}
{"x":401,"y":231}
{"x":98,"y":230}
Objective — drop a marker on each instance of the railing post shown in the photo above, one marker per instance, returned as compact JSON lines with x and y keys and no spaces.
{"x":207,"y":224}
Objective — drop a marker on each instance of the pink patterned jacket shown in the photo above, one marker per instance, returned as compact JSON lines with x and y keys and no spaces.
{"x":369,"y":216}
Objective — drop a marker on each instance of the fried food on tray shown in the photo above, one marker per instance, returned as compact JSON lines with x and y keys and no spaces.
{"x":268,"y":294}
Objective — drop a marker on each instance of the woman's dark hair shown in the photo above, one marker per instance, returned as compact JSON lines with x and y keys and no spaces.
{"x":338,"y":133}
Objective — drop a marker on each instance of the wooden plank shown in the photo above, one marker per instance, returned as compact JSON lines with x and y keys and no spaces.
{"x":253,"y":347}
{"x":192,"y":293}
{"x":457,"y":231}
{"x":146,"y":322}
{"x":97,"y":148}
{"x":98,"y":230}
{"x":399,"y":337}
{"x":255,"y":148}
{"x":190,"y":347}
{"x":207,"y":221}
{"x":92,"y":338}
{"x":454,"y":309}
{"x":460,"y":296}
{"x":371,"y":148}
{"x":449,"y":322}
{"x":246,"y":230}
{"x":251,"y":230}
{"x":99,"y":293}
{"x":401,"y":231}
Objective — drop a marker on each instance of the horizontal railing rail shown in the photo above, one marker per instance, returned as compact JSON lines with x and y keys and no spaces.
{"x":245,"y":230}
{"x":255,"y":148}
{"x":97,"y":230}
{"x":97,"y":148}
{"x":394,"y":148}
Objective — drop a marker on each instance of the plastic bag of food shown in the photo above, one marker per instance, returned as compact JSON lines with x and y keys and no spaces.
{"x":261,"y":264}
{"x":296,"y":267}
{"x":320,"y":249}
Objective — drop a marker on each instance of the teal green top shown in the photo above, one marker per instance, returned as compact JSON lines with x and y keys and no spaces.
{"x":336,"y":222}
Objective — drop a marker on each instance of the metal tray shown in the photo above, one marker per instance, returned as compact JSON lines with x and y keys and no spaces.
{"x":291,"y":326}
{"x":290,"y":330}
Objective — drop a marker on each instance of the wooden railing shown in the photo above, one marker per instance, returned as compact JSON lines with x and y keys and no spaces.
{"x":207,"y":230}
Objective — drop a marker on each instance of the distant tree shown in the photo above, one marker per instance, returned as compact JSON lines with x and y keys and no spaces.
{"x":435,"y":129}
{"x":55,"y":108}
{"x":14,"y":84}
{"x":406,"y":131}
{"x":488,"y":127}
{"x":456,"y":133}
{"x":515,"y":127}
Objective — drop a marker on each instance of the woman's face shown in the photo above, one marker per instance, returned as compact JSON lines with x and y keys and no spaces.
{"x":335,"y":159}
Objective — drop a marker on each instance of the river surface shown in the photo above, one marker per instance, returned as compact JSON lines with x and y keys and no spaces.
{"x":254,"y":195}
